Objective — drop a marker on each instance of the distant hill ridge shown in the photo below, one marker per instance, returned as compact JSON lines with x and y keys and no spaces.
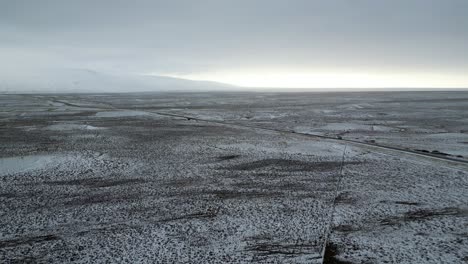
{"x":85,"y":80}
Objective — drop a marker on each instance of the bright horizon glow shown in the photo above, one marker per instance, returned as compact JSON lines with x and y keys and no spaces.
{"x":329,"y":79}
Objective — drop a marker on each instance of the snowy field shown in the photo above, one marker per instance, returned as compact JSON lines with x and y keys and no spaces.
{"x":234,"y":178}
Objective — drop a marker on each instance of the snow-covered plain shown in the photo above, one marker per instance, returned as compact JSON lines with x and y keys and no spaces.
{"x":116,"y":178}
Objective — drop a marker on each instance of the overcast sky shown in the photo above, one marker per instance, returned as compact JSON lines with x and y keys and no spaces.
{"x":215,"y":39}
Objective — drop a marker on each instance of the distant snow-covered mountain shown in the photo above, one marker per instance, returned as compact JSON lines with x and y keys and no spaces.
{"x":83,"y":81}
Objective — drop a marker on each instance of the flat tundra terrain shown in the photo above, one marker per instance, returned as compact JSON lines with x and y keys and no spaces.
{"x":234,"y":178}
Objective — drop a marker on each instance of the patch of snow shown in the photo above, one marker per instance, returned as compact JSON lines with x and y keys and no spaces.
{"x":65,"y":127}
{"x":27,"y":128}
{"x":355,"y":127}
{"x":355,"y":106}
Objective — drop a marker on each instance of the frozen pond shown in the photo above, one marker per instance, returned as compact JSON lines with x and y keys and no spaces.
{"x":122,"y":114}
{"x":23,"y":163}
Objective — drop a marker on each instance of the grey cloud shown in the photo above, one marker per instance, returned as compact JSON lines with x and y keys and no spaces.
{"x":190,"y":36}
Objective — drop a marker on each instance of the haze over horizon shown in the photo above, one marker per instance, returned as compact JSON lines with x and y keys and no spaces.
{"x":260,"y":43}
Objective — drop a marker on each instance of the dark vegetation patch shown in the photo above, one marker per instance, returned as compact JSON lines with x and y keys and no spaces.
{"x":400,"y":202}
{"x":97,"y":182}
{"x":27,"y":240}
{"x":435,"y":152}
{"x":423,"y":214}
{"x":331,"y":253}
{"x":346,"y":228}
{"x":407,"y":203}
{"x":285,"y":249}
{"x":288,"y":165}
{"x":261,"y":174}
{"x":228,"y":157}
{"x":422,"y":150}
{"x":345,"y":198}
{"x":439,"y":153}
{"x":421,"y":234}
{"x":7,"y":195}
